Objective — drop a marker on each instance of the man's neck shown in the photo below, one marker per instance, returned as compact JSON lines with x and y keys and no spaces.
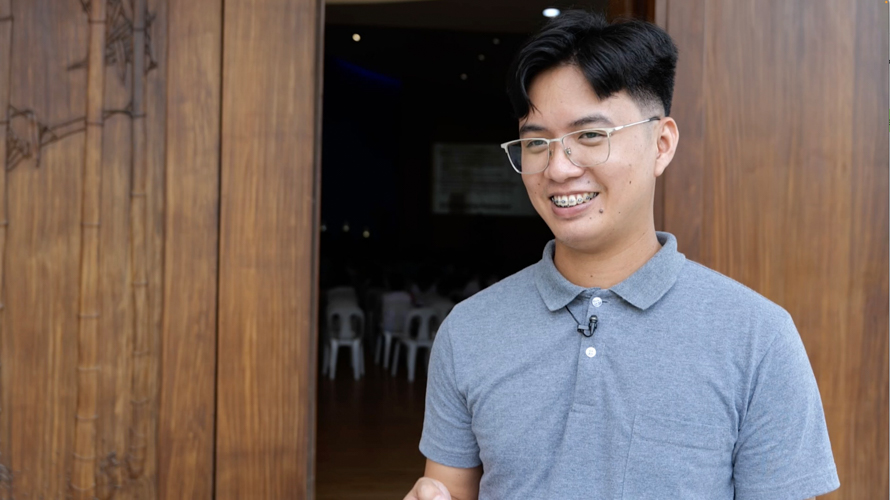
{"x":607,"y":267}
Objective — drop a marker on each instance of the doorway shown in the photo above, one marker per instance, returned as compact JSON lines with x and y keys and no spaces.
{"x":416,"y":197}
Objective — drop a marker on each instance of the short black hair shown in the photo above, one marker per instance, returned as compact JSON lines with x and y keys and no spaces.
{"x":630,"y":55}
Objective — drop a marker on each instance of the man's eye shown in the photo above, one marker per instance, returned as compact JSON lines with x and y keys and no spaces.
{"x":535,"y":144}
{"x":591,"y":135}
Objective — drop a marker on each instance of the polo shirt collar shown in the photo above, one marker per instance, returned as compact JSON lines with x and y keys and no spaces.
{"x":641,"y":289}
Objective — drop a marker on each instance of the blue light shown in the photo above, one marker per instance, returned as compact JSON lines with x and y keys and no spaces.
{"x":366,"y":74}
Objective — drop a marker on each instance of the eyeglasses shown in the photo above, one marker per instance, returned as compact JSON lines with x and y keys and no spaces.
{"x":584,"y":148}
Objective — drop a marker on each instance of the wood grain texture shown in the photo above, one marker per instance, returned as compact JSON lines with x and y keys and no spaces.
{"x":186,"y":413}
{"x":45,"y":79}
{"x":682,"y":205}
{"x":267,"y":232}
{"x":42,"y":273}
{"x":6,"y":25}
{"x":141,"y":354}
{"x":784,"y":187}
{"x":41,"y":269}
{"x":156,"y":120}
{"x":864,"y":396}
{"x":115,"y":335}
{"x":311,"y":367}
{"x":83,"y":475}
{"x":125,"y":303}
{"x":368,"y":431}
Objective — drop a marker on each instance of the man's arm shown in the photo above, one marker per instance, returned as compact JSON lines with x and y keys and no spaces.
{"x":458,"y":483}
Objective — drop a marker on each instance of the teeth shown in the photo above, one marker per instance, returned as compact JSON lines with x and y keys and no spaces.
{"x":572,"y":200}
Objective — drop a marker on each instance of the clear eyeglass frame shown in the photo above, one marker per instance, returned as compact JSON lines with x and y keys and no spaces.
{"x":607,"y":132}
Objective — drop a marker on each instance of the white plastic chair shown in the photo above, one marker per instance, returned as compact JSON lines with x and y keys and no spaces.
{"x":424,"y":318}
{"x":394,"y":307}
{"x":345,"y":325}
{"x":342,"y":294}
{"x":442,"y":306}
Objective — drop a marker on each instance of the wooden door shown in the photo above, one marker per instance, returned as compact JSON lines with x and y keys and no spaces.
{"x":82,"y":247}
{"x":157,"y":248}
{"x":268,"y":250}
{"x":781,"y":182}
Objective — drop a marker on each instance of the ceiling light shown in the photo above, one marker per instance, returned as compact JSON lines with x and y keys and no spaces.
{"x":551,"y":12}
{"x":463,"y":76}
{"x":481,"y":57}
{"x":356,"y":37}
{"x":496,"y":41}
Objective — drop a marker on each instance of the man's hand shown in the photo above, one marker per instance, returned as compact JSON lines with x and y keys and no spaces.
{"x":427,"y":488}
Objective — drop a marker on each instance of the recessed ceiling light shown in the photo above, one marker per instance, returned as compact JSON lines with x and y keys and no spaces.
{"x":356,"y":37}
{"x":551,"y":12}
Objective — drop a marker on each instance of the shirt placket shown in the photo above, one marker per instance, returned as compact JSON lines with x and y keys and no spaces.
{"x":592,"y":350}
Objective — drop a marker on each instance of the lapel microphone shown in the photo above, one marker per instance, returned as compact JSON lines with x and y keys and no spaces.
{"x":588,"y":330}
{"x":591,"y":325}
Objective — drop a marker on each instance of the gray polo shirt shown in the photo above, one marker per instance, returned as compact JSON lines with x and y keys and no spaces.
{"x":692,"y":386}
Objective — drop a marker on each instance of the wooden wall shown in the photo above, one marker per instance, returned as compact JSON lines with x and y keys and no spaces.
{"x":781,"y":182}
{"x":157,"y":248}
{"x":82,"y":115}
{"x":187,"y":413}
{"x":266,"y":368}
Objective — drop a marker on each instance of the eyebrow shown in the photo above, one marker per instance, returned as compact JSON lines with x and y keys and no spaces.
{"x":531,"y":128}
{"x":594,"y":119}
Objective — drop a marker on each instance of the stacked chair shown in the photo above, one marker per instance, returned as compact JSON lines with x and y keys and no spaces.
{"x":394,"y":309}
{"x":344,"y":326}
{"x":419,"y":332}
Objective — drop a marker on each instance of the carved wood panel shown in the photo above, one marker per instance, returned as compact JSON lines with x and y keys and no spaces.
{"x":110,"y":140}
{"x":81,"y":234}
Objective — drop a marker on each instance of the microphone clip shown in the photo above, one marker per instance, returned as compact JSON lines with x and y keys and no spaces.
{"x":591,"y":327}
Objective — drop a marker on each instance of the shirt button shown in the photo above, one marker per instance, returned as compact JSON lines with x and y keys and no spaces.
{"x":597,"y":302}
{"x":591,"y":352}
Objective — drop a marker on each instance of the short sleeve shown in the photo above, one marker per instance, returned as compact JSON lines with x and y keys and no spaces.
{"x":448,"y":436}
{"x":783,"y":451}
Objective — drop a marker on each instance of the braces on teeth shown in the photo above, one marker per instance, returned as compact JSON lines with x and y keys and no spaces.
{"x":572,"y":200}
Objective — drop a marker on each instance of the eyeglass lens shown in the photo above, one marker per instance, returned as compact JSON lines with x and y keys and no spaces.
{"x":585,"y":148}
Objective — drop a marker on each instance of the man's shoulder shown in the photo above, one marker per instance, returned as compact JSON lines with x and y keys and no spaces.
{"x":703,"y":285}
{"x":515,"y":290}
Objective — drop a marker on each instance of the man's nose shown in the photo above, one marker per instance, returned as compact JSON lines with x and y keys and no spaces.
{"x":561,"y":167}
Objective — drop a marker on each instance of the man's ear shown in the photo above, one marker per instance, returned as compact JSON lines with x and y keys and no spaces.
{"x":666,"y":143}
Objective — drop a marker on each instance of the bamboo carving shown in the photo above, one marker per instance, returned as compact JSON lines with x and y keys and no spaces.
{"x":141,"y":383}
{"x":83,"y":477}
{"x":5,"y":75}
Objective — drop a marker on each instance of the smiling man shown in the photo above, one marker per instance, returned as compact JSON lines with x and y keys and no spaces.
{"x":614,"y":368}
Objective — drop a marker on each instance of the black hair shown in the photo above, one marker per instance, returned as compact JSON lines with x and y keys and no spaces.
{"x":630,"y":55}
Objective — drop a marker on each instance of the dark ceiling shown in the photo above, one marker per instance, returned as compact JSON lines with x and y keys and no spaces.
{"x":489,"y":16}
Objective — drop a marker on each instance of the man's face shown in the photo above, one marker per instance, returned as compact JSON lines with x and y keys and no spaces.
{"x":623,"y":186}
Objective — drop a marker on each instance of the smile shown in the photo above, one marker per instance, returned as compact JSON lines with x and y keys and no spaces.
{"x":572,"y":199}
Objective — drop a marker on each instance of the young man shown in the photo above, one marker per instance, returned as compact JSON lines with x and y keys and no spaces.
{"x":614,"y":368}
